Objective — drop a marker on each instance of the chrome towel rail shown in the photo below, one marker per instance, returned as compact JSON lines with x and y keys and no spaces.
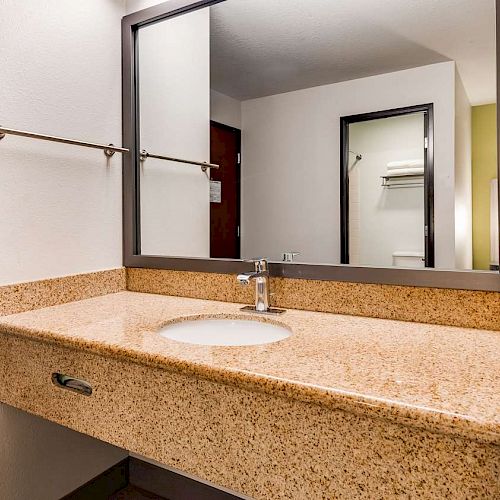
{"x":402,"y":181}
{"x":204,"y":165}
{"x":109,"y":149}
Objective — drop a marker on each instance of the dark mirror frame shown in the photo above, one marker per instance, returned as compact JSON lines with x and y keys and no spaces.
{"x":466,"y":280}
{"x":428,"y":111}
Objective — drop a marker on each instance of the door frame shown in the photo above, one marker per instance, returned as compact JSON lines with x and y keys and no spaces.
{"x":345,"y":121}
{"x":238,"y":177}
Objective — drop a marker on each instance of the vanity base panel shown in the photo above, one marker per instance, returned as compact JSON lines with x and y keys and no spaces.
{"x":260,"y":445}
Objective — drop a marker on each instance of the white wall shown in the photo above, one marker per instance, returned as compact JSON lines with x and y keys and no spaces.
{"x":463,"y":177}
{"x":388,"y":220}
{"x":175,"y":112}
{"x":60,"y":74}
{"x":225,"y":109}
{"x":40,"y":460}
{"x":60,"y":206}
{"x":290,"y":167}
{"x":135,"y":5}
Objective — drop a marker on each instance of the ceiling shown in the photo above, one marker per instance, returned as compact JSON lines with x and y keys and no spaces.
{"x":265,"y":47}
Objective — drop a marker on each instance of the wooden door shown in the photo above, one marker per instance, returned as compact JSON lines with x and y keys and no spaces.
{"x":225,"y":144}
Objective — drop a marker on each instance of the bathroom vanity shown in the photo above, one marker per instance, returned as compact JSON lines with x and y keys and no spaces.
{"x":344,"y":407}
{"x":338,"y":157}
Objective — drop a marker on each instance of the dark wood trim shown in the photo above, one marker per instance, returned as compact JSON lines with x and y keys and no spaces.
{"x":237,"y":131}
{"x":165,"y":10}
{"x":345,"y":121}
{"x":149,"y":478}
{"x":429,"y":188}
{"x":129,"y":207}
{"x":130,"y":111}
{"x":467,"y":280}
{"x":344,"y":191}
{"x":432,"y":278}
{"x":172,"y":485}
{"x":137,"y":142}
{"x":497,"y":7}
{"x":386,"y":113}
{"x":104,"y":485}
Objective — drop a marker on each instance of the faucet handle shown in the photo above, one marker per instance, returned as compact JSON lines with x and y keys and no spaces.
{"x":260,"y":263}
{"x":289,"y":256}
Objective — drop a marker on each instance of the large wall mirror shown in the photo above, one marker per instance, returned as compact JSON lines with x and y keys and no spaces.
{"x":347,"y":133}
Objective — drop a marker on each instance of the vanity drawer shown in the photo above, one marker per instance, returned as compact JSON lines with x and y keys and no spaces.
{"x":263,"y":446}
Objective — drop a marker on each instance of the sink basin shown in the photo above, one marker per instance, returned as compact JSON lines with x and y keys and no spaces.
{"x":224,"y":332}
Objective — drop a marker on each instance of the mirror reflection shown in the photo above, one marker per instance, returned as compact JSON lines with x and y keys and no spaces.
{"x":356,"y":132}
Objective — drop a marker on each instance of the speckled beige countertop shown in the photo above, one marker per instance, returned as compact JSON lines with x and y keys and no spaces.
{"x":445,"y":379}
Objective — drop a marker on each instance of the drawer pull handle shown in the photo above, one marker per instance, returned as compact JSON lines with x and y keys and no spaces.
{"x":71,"y":384}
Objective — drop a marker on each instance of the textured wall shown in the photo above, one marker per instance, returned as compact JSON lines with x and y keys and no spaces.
{"x":463,"y":177}
{"x":41,"y":460}
{"x":135,"y":5}
{"x":225,"y":109}
{"x":174,"y":80}
{"x":60,"y":205}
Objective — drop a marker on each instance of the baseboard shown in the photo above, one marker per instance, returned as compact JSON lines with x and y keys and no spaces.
{"x":104,"y":485}
{"x":149,"y":478}
{"x":171,"y":485}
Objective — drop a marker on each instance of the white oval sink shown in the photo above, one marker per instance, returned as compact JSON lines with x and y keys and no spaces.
{"x":224,"y":332}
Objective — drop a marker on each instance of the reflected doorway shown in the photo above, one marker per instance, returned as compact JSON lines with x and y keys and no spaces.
{"x":387,"y":194}
{"x":225,"y":151}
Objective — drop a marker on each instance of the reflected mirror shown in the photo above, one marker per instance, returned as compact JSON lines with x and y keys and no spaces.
{"x":357,"y":132}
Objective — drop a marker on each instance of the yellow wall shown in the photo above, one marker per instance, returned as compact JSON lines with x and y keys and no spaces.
{"x":484,"y":168}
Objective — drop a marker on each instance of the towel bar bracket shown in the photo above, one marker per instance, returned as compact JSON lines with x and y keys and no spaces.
{"x":109,"y":152}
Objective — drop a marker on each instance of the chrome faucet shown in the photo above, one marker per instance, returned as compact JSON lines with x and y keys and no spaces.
{"x":261,"y":277}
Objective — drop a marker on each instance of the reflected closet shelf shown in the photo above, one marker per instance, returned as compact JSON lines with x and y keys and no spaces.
{"x":402,"y":181}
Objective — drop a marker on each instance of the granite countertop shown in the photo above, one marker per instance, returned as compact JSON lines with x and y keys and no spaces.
{"x":445,"y":379}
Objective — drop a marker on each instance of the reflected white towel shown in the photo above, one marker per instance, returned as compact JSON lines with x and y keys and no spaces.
{"x":398,"y":172}
{"x":396,"y":165}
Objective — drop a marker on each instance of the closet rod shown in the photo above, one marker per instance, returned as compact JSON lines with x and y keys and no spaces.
{"x":109,"y":149}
